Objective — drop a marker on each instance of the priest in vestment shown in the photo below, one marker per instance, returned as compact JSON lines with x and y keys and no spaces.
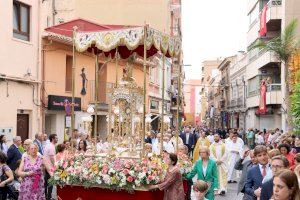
{"x":219,"y":154}
{"x":201,"y":142}
{"x":235,"y":149}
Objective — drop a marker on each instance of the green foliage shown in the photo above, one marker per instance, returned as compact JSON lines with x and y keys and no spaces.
{"x":295,"y":105}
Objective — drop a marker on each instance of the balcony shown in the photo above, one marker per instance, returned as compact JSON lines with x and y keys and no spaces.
{"x":273,"y":20}
{"x":260,"y":60}
{"x":274,"y":13}
{"x":274,"y":96}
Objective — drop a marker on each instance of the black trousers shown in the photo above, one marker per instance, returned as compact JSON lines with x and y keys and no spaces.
{"x":3,"y":193}
{"x":48,"y":187}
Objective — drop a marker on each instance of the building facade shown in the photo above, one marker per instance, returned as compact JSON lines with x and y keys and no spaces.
{"x":225,"y":89}
{"x":237,"y":96}
{"x":209,"y":69}
{"x":163,"y":15}
{"x":192,"y":107}
{"x":265,"y":66}
{"x":213,"y":119}
{"x":20,"y":75}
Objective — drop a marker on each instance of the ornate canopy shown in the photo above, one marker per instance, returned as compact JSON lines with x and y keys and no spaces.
{"x":127,"y":41}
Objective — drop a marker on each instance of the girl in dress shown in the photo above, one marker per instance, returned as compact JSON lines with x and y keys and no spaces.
{"x":32,"y":171}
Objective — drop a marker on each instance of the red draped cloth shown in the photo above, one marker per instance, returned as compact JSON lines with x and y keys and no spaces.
{"x":95,"y":193}
{"x":263,"y":21}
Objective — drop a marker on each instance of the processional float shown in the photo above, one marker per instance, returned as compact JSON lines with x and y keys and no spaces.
{"x":127,"y":109}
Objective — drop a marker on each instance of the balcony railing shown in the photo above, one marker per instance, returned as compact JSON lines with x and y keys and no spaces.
{"x":270,"y":88}
{"x":274,"y":3}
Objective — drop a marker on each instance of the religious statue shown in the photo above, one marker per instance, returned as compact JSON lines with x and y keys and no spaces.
{"x":84,"y":79}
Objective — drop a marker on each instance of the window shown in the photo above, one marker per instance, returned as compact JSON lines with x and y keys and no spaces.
{"x":21,"y":22}
{"x":154,"y":104}
{"x":253,"y":15}
{"x":69,"y":62}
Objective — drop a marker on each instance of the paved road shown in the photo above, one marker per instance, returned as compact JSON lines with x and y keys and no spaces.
{"x":231,"y":193}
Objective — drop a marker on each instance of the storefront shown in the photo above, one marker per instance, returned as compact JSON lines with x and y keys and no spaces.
{"x":58,"y":115}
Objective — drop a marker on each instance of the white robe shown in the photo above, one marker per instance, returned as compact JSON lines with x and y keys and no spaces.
{"x":233,"y":157}
{"x":218,"y":152}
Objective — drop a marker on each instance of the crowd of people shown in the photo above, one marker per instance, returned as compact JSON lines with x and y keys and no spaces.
{"x":264,"y":163}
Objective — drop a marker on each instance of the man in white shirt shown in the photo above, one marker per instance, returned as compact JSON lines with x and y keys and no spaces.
{"x":49,"y":155}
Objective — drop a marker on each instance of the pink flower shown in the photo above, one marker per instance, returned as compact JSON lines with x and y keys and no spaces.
{"x":126,"y":171}
{"x":129,"y":179}
{"x":104,"y":171}
{"x":65,"y":165}
{"x":145,"y":169}
{"x":77,"y":170}
{"x":150,"y":178}
{"x":137,"y":168}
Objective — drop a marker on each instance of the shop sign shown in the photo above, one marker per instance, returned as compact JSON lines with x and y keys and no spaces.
{"x":63,"y":103}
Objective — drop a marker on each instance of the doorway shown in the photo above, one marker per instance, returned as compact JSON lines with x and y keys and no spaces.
{"x":23,"y":126}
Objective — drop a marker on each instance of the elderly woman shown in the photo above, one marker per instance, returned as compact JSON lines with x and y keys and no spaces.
{"x":31,"y":170}
{"x":206,"y":170}
{"x":172,"y":185}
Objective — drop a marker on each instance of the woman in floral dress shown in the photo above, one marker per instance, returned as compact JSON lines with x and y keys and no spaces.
{"x":32,"y":171}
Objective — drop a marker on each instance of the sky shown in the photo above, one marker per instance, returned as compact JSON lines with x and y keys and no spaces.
{"x":212,"y":29}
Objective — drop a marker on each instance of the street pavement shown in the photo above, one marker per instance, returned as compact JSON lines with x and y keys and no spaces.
{"x":231,"y":193}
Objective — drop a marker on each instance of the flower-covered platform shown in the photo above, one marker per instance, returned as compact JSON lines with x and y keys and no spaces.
{"x":82,"y":178}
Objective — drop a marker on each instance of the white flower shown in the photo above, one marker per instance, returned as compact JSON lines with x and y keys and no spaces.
{"x":131,"y":172}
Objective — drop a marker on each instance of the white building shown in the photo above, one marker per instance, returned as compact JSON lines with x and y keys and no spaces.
{"x":263,"y":65}
{"x":20,"y":75}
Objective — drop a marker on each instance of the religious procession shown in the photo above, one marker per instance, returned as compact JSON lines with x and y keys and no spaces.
{"x":150,"y":100}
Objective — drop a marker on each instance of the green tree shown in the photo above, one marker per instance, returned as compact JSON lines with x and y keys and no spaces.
{"x":284,"y":47}
{"x":295,"y":105}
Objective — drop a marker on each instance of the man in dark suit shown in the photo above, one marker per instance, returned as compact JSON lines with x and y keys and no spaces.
{"x":188,"y":139}
{"x":257,"y":173}
{"x":13,"y":153}
{"x":277,"y":163}
{"x":243,"y":165}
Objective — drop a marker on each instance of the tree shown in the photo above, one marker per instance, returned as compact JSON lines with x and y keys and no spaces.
{"x":295,"y":105}
{"x":284,"y":47}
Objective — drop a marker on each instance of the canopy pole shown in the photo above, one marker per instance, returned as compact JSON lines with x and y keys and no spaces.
{"x":73,"y":88}
{"x":117,"y":65}
{"x":178,"y":102}
{"x":162,"y":105}
{"x":96,"y":93}
{"x":144,"y":102}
